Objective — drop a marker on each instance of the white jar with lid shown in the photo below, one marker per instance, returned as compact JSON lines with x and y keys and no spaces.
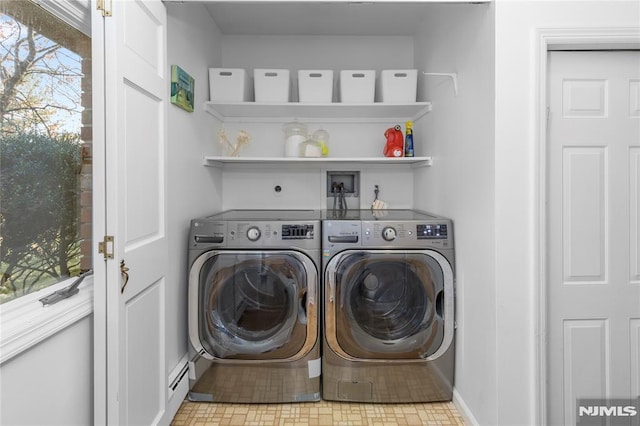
{"x":310,"y":148}
{"x":294,"y":134}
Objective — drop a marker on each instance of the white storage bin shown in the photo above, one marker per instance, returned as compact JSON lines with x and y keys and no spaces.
{"x":315,"y":86}
{"x":271,"y":85}
{"x":357,"y":86}
{"x":397,"y":86}
{"x":229,"y":85}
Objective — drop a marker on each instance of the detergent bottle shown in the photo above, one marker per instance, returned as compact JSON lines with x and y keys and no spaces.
{"x":408,"y":141}
{"x":395,"y":144}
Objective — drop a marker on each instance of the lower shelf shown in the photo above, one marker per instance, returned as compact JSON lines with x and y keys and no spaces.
{"x":413,"y":162}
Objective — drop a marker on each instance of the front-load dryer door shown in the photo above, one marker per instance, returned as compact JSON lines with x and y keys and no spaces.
{"x":253,"y":305}
{"x":385,"y":304}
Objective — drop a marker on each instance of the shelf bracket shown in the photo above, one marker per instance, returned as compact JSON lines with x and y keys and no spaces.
{"x":452,"y":75}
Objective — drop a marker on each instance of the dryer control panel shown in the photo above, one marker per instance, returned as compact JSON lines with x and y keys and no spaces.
{"x":206,"y":233}
{"x":298,"y":232}
{"x":248,"y":234}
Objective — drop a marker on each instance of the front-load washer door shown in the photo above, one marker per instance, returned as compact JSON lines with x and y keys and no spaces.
{"x":389,"y":304}
{"x":253,"y":305}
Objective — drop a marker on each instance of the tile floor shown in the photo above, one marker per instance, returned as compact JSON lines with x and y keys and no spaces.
{"x":323,"y":413}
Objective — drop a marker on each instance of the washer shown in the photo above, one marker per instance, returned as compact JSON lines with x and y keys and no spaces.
{"x":388,"y":306}
{"x":253,"y":306}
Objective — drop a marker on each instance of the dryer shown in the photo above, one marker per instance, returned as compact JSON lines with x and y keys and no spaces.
{"x":388,"y":307}
{"x":253,"y":309}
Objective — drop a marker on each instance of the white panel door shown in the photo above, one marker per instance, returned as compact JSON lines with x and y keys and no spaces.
{"x":593,"y":229}
{"x":136,"y":87}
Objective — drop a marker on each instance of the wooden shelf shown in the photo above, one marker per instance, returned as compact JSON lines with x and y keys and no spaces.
{"x":413,"y":162}
{"x":308,"y":112}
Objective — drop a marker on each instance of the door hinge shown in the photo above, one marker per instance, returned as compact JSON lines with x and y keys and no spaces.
{"x":106,"y":247}
{"x":101,"y":5}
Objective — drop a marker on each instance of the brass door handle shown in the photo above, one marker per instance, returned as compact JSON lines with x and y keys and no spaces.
{"x":125,"y":276}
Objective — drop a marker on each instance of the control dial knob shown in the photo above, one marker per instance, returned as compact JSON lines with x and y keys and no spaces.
{"x":253,"y":233}
{"x":389,"y":234}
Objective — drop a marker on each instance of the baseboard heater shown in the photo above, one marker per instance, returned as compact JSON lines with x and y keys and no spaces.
{"x":178,"y":373}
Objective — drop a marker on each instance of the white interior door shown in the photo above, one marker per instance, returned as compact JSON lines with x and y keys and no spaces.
{"x":593,"y":229}
{"x":135,"y":87}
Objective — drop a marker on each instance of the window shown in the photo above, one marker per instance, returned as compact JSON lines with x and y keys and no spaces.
{"x":45,"y":150}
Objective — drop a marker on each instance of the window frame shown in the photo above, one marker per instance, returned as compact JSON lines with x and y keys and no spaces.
{"x":76,"y":13}
{"x":25,"y":322}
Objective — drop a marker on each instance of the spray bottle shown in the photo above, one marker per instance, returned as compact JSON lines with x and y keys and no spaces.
{"x":408,"y":141}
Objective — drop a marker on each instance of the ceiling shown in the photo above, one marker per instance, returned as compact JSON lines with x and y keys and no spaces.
{"x":378,"y":18}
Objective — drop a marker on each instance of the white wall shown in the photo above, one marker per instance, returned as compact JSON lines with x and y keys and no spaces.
{"x":304,"y":187}
{"x":193,"y":190}
{"x":458,"y":133}
{"x":516,"y":184}
{"x":52,"y":382}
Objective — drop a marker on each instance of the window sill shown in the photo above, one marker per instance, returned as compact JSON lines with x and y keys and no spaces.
{"x":24,"y":322}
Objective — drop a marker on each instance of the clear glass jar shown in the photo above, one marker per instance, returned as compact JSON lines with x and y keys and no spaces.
{"x":294,"y":134}
{"x":310,"y":148}
{"x":321,"y":136}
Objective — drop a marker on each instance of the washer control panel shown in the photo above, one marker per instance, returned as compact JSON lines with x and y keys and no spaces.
{"x":438,"y":231}
{"x":406,"y":234}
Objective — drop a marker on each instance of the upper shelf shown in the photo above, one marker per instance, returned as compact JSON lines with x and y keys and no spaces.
{"x":310,"y":112}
